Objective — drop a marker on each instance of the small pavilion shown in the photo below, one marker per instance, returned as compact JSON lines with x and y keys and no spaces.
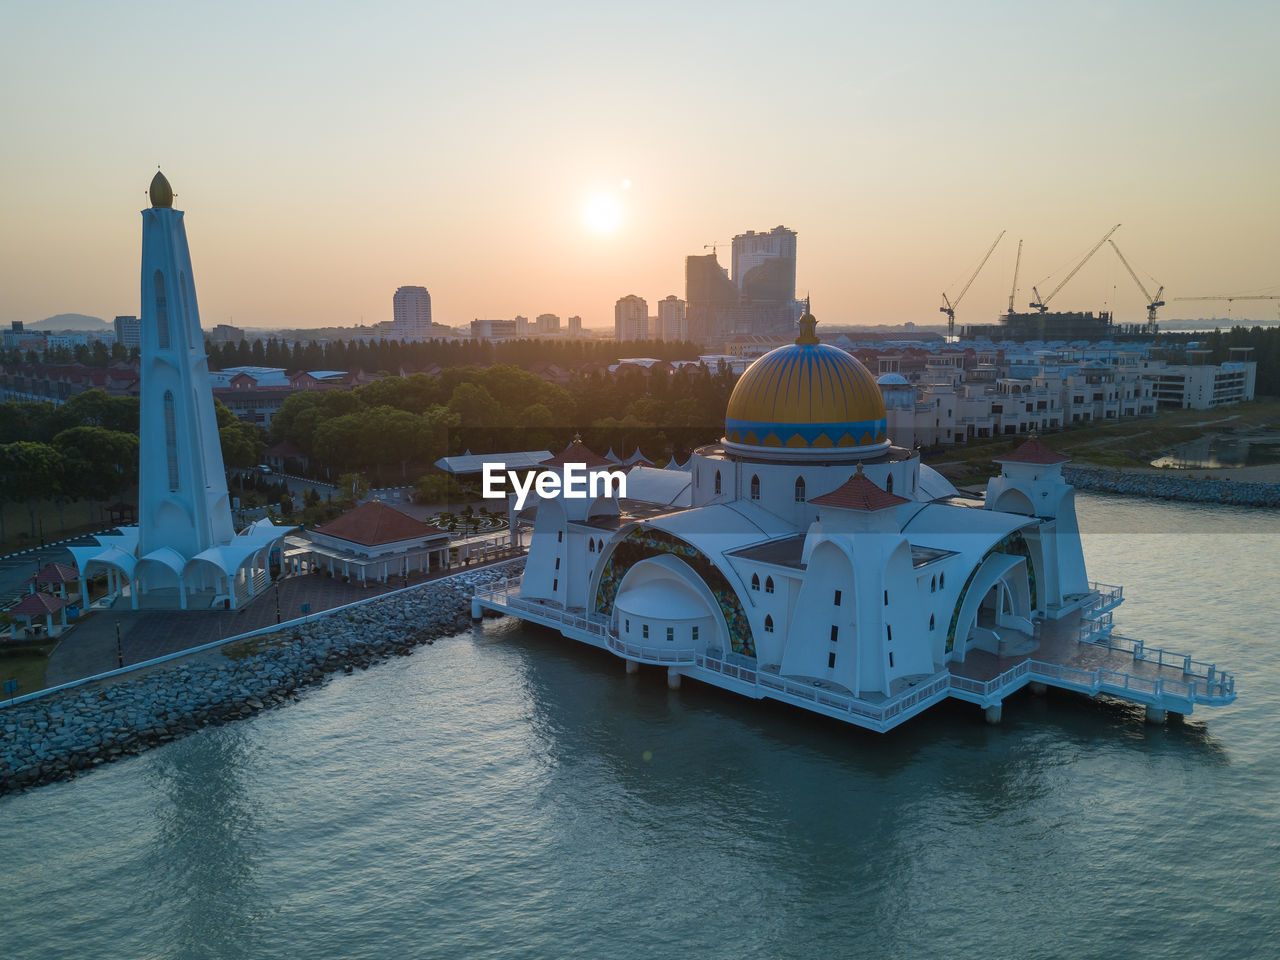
{"x":56,"y":575}
{"x":370,"y":542}
{"x":38,"y":605}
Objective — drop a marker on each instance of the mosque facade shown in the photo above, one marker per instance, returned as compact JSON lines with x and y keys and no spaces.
{"x":819,"y":564}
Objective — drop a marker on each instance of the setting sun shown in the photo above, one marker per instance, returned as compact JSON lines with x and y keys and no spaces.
{"x":602,"y":213}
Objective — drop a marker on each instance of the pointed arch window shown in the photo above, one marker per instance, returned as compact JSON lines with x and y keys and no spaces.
{"x":717,"y":488}
{"x":942,"y":580}
{"x":768,"y":624}
{"x":933,"y":585}
{"x":930,"y":621}
{"x":755,"y":581}
{"x":162,"y":311}
{"x":591,"y":545}
{"x":800,"y":495}
{"x":755,"y":487}
{"x":768,"y":584}
{"x":193,"y":328}
{"x":888,"y":484}
{"x":171,"y":439}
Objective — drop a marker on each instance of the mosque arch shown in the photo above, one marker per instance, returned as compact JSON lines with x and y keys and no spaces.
{"x":768,"y":624}
{"x":755,"y":581}
{"x":755,"y":486}
{"x":888,"y":483}
{"x":768,"y":584}
{"x":1013,"y":500}
{"x":717,"y":486}
{"x":800,"y":490}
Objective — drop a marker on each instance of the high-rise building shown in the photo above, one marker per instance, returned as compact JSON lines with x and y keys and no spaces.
{"x":672,"y":322}
{"x":575,"y":326}
{"x":412,"y":313}
{"x":764,"y":265}
{"x":547,"y":323}
{"x":128,"y":332}
{"x":711,"y":299}
{"x":522,"y":326}
{"x":631,"y":319}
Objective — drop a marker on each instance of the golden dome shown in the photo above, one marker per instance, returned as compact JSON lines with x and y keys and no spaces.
{"x":161,"y":192}
{"x":806,"y":396}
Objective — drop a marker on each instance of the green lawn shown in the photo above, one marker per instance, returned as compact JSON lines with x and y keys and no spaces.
{"x":1133,"y":442}
{"x":26,"y":666}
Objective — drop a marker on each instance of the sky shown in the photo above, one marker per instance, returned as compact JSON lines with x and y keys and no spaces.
{"x":327,"y":153}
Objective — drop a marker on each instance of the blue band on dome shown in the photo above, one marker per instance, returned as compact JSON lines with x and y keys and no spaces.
{"x":806,"y":436}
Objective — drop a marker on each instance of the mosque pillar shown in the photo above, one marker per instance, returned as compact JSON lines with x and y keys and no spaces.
{"x":633,"y":666}
{"x":84,"y":592}
{"x":673,"y":678}
{"x":1155,"y":715}
{"x":994,"y":713}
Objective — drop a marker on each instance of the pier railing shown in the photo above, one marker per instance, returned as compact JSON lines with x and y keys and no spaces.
{"x":507,"y":593}
{"x":1103,"y":597}
{"x":674,"y":656}
{"x":1096,"y":629}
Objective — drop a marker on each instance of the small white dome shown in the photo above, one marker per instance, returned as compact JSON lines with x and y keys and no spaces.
{"x":892,"y":380}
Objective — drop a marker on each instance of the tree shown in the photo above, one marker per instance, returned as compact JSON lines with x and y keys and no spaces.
{"x":97,"y":463}
{"x":352,"y":488}
{"x":30,"y":472}
{"x":241,"y":442}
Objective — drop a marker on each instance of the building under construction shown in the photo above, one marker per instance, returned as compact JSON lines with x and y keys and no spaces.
{"x":1048,"y":326}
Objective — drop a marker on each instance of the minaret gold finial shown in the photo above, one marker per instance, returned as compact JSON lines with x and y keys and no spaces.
{"x":808,"y":333}
{"x":160,"y":191}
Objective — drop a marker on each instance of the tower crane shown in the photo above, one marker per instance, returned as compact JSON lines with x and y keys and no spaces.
{"x":1230,"y":300}
{"x":1041,"y":303}
{"x":1153,"y":303}
{"x":1013,"y":291}
{"x":950,"y":308}
{"x":714,"y":244}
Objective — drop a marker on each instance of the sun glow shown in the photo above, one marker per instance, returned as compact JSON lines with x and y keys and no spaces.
{"x":602,"y":213}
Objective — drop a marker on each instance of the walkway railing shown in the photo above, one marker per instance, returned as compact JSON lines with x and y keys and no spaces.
{"x":1095,"y":629}
{"x":507,"y":593}
{"x":1104,"y":597}
{"x":676,"y":656}
{"x":1201,"y":682}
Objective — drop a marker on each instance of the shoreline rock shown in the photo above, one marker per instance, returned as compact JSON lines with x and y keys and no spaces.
{"x":1167,"y":485}
{"x":56,"y":737}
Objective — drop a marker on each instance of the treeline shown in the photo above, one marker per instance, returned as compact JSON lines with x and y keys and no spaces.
{"x":96,"y":354}
{"x":1265,"y":342}
{"x":391,"y":356}
{"x":87,"y":450}
{"x":394,"y":429}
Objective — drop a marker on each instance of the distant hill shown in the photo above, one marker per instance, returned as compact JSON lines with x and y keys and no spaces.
{"x":71,"y":321}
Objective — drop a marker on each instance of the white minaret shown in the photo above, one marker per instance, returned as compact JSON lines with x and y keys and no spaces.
{"x":182,"y":486}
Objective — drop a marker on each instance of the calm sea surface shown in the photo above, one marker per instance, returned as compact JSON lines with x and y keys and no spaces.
{"x":508,"y":794}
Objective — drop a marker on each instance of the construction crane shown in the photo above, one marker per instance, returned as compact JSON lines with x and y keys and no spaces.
{"x":1230,"y":300}
{"x":716,"y":243}
{"x":1153,"y":303}
{"x":1041,"y":303}
{"x":950,"y":308}
{"x":1013,"y":291}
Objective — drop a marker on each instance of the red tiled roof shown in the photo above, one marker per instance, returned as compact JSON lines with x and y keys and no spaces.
{"x":859,"y":493}
{"x":577,"y":452}
{"x":374,"y":523}
{"x":1033,"y":451}
{"x":55,"y":573}
{"x":37,"y":605}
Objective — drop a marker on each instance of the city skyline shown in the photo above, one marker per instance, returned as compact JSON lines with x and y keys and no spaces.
{"x":512,"y":169}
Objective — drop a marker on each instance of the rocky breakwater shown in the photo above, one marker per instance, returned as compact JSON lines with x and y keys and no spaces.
{"x":1173,"y":485}
{"x":59,"y":735}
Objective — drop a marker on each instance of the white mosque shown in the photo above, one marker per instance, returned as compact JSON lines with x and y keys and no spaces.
{"x":814,"y":562}
{"x":184,"y":546}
